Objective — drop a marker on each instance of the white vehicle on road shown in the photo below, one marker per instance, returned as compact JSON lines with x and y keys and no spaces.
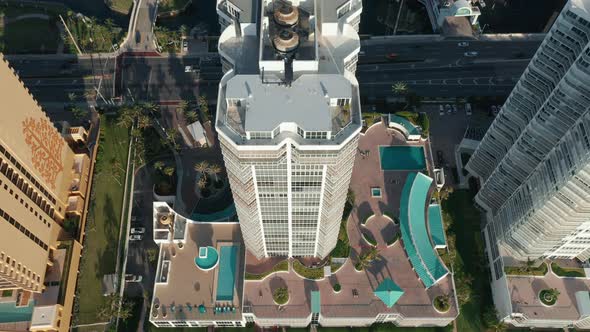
{"x":468,"y":109}
{"x":463,"y":44}
{"x":470,"y":54}
{"x":135,"y":237}
{"x":133,"y":278}
{"x":137,"y":230}
{"x":441,"y":110}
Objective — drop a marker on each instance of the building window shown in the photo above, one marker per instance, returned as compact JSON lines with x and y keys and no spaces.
{"x":260,"y":134}
{"x":232,"y":9}
{"x":344,"y":9}
{"x":316,"y":134}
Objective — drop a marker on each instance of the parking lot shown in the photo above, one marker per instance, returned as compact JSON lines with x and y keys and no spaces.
{"x":447,"y":130}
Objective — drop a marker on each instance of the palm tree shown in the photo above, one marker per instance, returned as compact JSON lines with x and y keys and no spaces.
{"x":553,"y":293}
{"x":191,"y":116}
{"x":72,"y":96}
{"x":159,"y":165}
{"x":368,"y":257}
{"x":202,"y":167}
{"x":151,"y":107}
{"x":168,"y":171}
{"x":183,"y":105}
{"x":202,"y":183}
{"x":143,"y":122}
{"x":183,"y":30}
{"x":400,"y":87}
{"x":115,"y":306}
{"x":78,"y":113}
{"x":215,"y":170}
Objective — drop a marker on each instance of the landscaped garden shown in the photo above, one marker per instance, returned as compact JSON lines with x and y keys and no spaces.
{"x":172,"y":5}
{"x":572,"y":272}
{"x":466,"y":255}
{"x":121,"y":6}
{"x":308,"y":272}
{"x":442,"y":303}
{"x":168,"y":39}
{"x":281,"y":295}
{"x":549,"y":296}
{"x":527,"y":269}
{"x":103,"y":224}
{"x":92,"y":35}
{"x":281,"y":266}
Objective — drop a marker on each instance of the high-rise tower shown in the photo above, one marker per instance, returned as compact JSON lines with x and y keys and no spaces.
{"x":288,"y":119}
{"x":534,"y":161}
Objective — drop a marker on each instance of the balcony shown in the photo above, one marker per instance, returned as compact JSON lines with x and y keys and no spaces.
{"x":75,"y":205}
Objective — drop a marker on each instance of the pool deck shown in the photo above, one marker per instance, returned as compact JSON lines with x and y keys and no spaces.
{"x":416,"y":301}
{"x":187,"y":284}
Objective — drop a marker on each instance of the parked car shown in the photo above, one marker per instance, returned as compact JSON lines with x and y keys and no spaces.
{"x":135,"y":237}
{"x":463,"y":44}
{"x":188,"y":69}
{"x":361,"y":53}
{"x":137,"y":230}
{"x":439,"y":158}
{"x":468,"y":109}
{"x":185,"y":45}
{"x":455,"y":109}
{"x":470,"y":54}
{"x":448,"y":108}
{"x":391,"y":56}
{"x":133,"y":278}
{"x":441,"y":110}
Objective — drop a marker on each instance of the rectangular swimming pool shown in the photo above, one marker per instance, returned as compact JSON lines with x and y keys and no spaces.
{"x":402,"y":158}
{"x":226,"y":276}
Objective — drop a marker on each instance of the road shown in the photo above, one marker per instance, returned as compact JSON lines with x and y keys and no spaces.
{"x":430,"y":68}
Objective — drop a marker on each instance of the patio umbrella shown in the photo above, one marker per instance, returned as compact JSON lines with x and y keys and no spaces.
{"x":202,"y":309}
{"x":388,"y":292}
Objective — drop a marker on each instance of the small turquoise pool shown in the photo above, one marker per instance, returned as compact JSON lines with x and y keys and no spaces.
{"x":9,"y":313}
{"x":402,"y":158}
{"x":207,"y":258}
{"x":226,"y":277}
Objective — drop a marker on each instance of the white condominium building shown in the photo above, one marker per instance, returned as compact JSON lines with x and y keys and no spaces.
{"x":534,"y":162}
{"x":288,"y":119}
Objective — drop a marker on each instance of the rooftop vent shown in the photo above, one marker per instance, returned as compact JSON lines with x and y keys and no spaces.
{"x":286,"y":41}
{"x":285,"y":14}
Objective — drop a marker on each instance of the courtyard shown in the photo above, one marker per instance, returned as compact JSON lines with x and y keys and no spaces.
{"x":373,"y":223}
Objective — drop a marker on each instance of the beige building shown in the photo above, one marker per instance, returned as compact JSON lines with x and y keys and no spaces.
{"x":43,"y":184}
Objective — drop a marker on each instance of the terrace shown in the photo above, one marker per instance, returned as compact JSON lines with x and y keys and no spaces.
{"x":357,"y":295}
{"x":190,"y":286}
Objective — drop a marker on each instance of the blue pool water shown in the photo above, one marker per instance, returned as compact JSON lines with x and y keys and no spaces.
{"x":9,"y":313}
{"x":226,"y":277}
{"x":402,"y":158}
{"x":209,"y":260}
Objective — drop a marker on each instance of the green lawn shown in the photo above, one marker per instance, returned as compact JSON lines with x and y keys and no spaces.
{"x":466,"y":247}
{"x":169,"y":5}
{"x":102,"y":229}
{"x":568,"y":271}
{"x":541,"y":270}
{"x":121,"y":6}
{"x":306,"y":272}
{"x":24,"y":36}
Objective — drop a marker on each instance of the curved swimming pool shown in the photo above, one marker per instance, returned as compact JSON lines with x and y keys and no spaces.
{"x":207,"y":258}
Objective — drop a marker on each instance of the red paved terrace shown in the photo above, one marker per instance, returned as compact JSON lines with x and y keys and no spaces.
{"x":416,"y":301}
